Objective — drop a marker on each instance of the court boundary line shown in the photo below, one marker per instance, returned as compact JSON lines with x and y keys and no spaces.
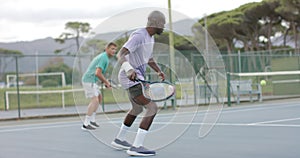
{"x":198,"y":113}
{"x":231,"y":124}
{"x":275,"y":121}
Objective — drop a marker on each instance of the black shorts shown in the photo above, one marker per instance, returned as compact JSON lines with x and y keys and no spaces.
{"x":135,"y":91}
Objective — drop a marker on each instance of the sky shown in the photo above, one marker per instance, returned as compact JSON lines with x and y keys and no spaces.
{"x":27,"y":20}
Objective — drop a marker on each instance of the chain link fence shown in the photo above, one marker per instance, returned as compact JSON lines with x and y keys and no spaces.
{"x":73,"y":66}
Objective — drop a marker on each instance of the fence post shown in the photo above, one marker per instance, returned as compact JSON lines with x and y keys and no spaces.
{"x":239,"y":61}
{"x":63,"y":98}
{"x":4,"y":99}
{"x":18,"y":89}
{"x":228,"y":90}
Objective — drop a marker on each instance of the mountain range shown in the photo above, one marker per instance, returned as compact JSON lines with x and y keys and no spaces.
{"x":46,"y":47}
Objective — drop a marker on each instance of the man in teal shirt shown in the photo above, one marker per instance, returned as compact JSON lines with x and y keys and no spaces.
{"x":93,"y":74}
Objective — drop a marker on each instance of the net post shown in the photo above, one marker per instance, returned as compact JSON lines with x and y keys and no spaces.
{"x":228,"y":90}
{"x":173,"y":102}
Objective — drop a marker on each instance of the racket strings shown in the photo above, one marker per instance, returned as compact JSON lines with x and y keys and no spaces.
{"x":160,"y":91}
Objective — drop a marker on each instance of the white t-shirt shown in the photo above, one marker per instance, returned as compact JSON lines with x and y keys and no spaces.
{"x":140,"y":46}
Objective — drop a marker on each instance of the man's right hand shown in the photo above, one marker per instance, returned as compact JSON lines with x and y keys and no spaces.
{"x":129,"y":70}
{"x":131,"y":74}
{"x":107,"y":85}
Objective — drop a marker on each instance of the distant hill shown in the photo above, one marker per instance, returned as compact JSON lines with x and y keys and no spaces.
{"x":42,"y":46}
{"x":47,"y":46}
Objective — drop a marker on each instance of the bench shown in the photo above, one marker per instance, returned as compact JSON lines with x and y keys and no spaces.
{"x":245,"y":87}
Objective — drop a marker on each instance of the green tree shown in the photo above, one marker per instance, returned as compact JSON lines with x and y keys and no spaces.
{"x":76,"y":30}
{"x":271,"y":19}
{"x":181,"y":43}
{"x":256,"y":28}
{"x":57,"y":65}
{"x":221,"y":27}
{"x":290,"y":12}
{"x":247,"y":23}
{"x":250,"y":26}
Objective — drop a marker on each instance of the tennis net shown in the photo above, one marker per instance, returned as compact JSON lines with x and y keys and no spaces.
{"x":277,"y":84}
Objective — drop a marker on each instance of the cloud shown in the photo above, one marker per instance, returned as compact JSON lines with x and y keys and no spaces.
{"x":52,"y":14}
{"x":40,"y":11}
{"x":45,"y":17}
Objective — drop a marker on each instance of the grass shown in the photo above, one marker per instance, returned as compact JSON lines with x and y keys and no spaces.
{"x":34,"y":100}
{"x":285,"y":64}
{"x":55,"y":99}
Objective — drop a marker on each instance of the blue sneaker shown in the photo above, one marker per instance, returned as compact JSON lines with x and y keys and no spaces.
{"x":140,"y":151}
{"x":120,"y":145}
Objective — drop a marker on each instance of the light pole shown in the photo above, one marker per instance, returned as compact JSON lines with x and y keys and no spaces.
{"x":172,"y":51}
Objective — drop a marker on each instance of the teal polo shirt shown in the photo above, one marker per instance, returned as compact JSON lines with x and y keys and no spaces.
{"x":100,"y":61}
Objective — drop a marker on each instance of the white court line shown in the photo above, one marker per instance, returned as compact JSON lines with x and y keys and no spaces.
{"x":259,"y":107}
{"x":201,"y":112}
{"x":157,"y":123}
{"x":228,"y":110}
{"x":275,"y":121}
{"x":35,"y":128}
{"x":229,"y":124}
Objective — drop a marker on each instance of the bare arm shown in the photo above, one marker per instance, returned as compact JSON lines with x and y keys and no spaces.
{"x":152,"y":63}
{"x":101,"y":77}
{"x":121,"y":55}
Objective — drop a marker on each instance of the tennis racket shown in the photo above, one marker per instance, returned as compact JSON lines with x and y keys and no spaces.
{"x":114,"y":84}
{"x":157,"y":91}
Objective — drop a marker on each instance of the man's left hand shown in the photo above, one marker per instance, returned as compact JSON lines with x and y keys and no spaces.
{"x":161,"y":75}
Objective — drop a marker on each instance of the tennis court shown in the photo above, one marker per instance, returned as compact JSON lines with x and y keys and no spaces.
{"x":269,"y":129}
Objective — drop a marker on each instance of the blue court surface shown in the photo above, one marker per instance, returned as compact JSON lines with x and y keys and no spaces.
{"x":254,"y":130}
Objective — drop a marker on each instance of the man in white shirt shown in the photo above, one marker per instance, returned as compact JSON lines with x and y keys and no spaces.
{"x":134,"y":56}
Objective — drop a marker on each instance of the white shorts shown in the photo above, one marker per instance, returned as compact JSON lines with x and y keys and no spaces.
{"x":91,"y":89}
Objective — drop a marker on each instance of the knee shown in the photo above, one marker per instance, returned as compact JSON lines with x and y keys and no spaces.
{"x":136,"y":111}
{"x":152,"y":107}
{"x":95,"y":100}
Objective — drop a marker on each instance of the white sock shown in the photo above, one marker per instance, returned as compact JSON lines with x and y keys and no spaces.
{"x":87,"y":120}
{"x":122,"y":133}
{"x":140,"y":137}
{"x":93,"y":117}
